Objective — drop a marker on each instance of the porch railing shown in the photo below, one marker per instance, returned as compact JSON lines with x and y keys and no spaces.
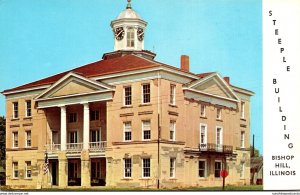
{"x":77,"y":147}
{"x":210,"y":147}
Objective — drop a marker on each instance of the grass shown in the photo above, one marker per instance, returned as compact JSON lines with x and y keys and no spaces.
{"x":227,"y":188}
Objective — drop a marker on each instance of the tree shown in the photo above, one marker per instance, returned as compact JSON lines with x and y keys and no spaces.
{"x":256,"y":152}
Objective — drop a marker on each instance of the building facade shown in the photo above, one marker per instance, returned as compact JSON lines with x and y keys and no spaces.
{"x":128,"y":121}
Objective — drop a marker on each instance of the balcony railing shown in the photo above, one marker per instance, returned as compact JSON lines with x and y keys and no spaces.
{"x":210,"y":147}
{"x":77,"y":147}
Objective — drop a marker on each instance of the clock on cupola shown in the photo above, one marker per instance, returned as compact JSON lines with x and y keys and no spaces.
{"x":129,"y":30}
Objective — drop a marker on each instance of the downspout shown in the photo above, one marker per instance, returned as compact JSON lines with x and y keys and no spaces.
{"x":158,"y":129}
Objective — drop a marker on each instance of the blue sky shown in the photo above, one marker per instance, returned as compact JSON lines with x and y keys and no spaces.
{"x":39,"y":38}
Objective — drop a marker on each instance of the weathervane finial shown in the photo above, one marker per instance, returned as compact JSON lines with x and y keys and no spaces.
{"x":128,"y":4}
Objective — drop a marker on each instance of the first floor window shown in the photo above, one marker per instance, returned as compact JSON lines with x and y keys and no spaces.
{"x":15,"y":110}
{"x":172,"y":167}
{"x":242,"y":173}
{"x":73,"y":137}
{"x":73,"y":167}
{"x":202,"y":168}
{"x":146,"y":167}
{"x":242,"y":139}
{"x":146,"y":130}
{"x":72,"y":117}
{"x":172,"y":130}
{"x":95,"y":135}
{"x":127,"y":167}
{"x":28,"y":138}
{"x":96,"y":169}
{"x":218,"y":167}
{"x":28,"y":108}
{"x":15,"y":140}
{"x":15,"y":170}
{"x":127,"y":131}
{"x":203,"y":129}
{"x":94,"y":115}
{"x":28,"y":169}
{"x":219,"y":140}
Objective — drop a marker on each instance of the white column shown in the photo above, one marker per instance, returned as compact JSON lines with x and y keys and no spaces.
{"x":86,"y":126}
{"x":63,"y":127}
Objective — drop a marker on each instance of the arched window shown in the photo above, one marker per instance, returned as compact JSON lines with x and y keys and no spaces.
{"x":130,"y":37}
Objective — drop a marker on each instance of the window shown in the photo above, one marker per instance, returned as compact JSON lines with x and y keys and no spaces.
{"x":242,"y":110}
{"x":172,"y":167}
{"x":15,"y":140}
{"x":28,"y":138}
{"x":72,"y":117}
{"x":96,"y":167}
{"x":28,"y":108}
{"x":73,"y":169}
{"x":15,"y":170}
{"x":219,"y":113}
{"x":28,"y":169}
{"x":15,"y":110}
{"x":146,"y":167}
{"x":202,"y":110}
{"x":127,"y":167}
{"x":127,"y":131}
{"x":202,"y":168}
{"x":242,"y":139}
{"x":219,"y":138}
{"x":146,"y":93}
{"x":94,"y":115}
{"x":203,"y":130}
{"x":242,"y":173}
{"x":172,"y":94}
{"x":146,"y":130}
{"x":127,"y":96}
{"x":172,"y":130}
{"x":130,"y":37}
{"x":73,"y":137}
{"x":95,"y":135}
{"x":218,"y":168}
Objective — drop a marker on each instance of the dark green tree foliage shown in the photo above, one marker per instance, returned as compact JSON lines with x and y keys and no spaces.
{"x":256,"y":152}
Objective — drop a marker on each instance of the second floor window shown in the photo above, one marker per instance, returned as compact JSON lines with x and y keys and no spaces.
{"x":73,"y":137}
{"x":130,"y":37}
{"x":28,"y":169}
{"x":127,"y":167}
{"x":242,"y":145}
{"x":203,"y":129}
{"x":127,"y":96}
{"x":28,"y":108}
{"x":219,"y":113}
{"x":72,"y":117}
{"x":172,"y":130}
{"x":242,"y":110}
{"x":146,"y":93}
{"x":28,"y":138}
{"x":146,"y":130}
{"x":95,"y":135}
{"x":219,"y":138}
{"x":172,"y":94}
{"x":15,"y":110}
{"x":15,"y":140}
{"x":202,"y":110}
{"x":127,"y":131}
{"x":94,"y":115}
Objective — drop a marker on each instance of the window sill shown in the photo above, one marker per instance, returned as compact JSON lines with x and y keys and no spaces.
{"x":145,"y":178}
{"x":15,"y":178}
{"x":203,"y":178}
{"x":146,"y":140}
{"x":173,"y":105}
{"x":15,"y":119}
{"x":203,"y":117}
{"x":124,"y":107}
{"x":127,"y":179}
{"x":28,"y":179}
{"x":219,"y":120}
{"x":27,"y":118}
{"x":145,"y":104}
{"x":243,"y":119}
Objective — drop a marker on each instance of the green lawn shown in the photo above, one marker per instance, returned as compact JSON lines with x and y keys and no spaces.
{"x":227,"y":188}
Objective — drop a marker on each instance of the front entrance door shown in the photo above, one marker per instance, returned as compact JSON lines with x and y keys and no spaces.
{"x":54,"y":172}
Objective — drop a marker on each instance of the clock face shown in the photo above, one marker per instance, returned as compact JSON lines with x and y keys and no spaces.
{"x":119,"y":33}
{"x":140,"y":34}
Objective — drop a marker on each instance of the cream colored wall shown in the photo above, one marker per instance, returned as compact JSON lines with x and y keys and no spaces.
{"x":72,"y":88}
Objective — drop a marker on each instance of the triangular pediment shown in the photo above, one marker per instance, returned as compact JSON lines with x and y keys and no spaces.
{"x":214,"y":85}
{"x":73,"y":84}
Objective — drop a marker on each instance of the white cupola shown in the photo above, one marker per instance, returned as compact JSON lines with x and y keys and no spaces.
{"x":129,"y":30}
